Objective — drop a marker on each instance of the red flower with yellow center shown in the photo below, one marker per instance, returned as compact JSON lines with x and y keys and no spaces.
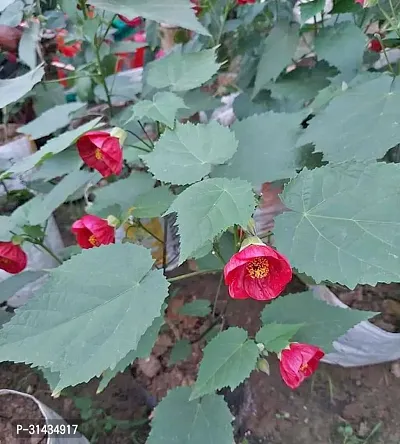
{"x":13,"y":258}
{"x":298,"y":362}
{"x":258,"y":272}
{"x":67,"y":49}
{"x":92,"y":231}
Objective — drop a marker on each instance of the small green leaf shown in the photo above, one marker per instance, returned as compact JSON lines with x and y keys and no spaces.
{"x":154,"y":203}
{"x":210,"y":260}
{"x":57,"y":166}
{"x":51,"y":120}
{"x":12,"y":284}
{"x":211,"y":206}
{"x":178,"y":420}
{"x":198,"y":307}
{"x":323,"y":323}
{"x":162,"y":108}
{"x":228,"y":360}
{"x":190,"y":151}
{"x":278,"y":52}
{"x":276,"y":337}
{"x":180,"y":352}
{"x":182,"y":72}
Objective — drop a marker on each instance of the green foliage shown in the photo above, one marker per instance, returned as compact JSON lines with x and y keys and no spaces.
{"x":345,"y":217}
{"x":207,"y":260}
{"x":154,"y":203}
{"x":177,"y":419}
{"x":311,"y":9}
{"x":190,"y":151}
{"x":198,"y":307}
{"x":180,"y":351}
{"x":276,"y":337}
{"x":227,"y":361}
{"x":12,"y":14}
{"x":11,"y":285}
{"x":323,"y":323}
{"x":162,"y":108}
{"x":278,"y":51}
{"x":265,"y":152}
{"x":182,"y":72}
{"x":211,"y":206}
{"x":101,"y":302}
{"x":57,"y":165}
{"x":27,"y":48}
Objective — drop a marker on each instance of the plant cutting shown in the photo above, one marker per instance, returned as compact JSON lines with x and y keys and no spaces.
{"x":317,"y":121}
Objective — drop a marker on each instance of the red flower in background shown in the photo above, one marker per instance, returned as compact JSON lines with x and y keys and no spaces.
{"x":160,"y":54}
{"x":375,"y":45}
{"x":196,"y":6}
{"x":13,"y":258}
{"x":101,"y":151}
{"x":92,"y":231}
{"x":298,"y":362}
{"x":69,"y":50}
{"x":258,"y":272}
{"x":133,"y":23}
{"x":245,"y":2}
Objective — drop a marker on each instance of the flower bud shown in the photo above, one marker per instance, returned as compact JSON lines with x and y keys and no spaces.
{"x":263,"y":366}
{"x":120,"y":134}
{"x":260,"y":346}
{"x":252,"y":240}
{"x":113,"y":221}
{"x":17,"y":239}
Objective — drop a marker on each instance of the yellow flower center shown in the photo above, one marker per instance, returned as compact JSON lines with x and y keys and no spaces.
{"x":98,"y":154}
{"x":93,"y":240}
{"x":258,"y":268}
{"x":4,"y":260}
{"x":303,"y":367}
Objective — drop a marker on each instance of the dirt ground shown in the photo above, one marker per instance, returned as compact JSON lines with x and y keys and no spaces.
{"x":266,"y":411}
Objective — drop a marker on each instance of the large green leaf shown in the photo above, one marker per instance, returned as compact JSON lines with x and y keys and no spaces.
{"x":90,"y":313}
{"x":121,"y":194}
{"x":57,"y":166}
{"x":162,"y":108}
{"x":323,"y":323}
{"x":12,"y":90}
{"x":207,"y":208}
{"x":182,"y":72}
{"x":187,"y":154}
{"x":228,"y":360}
{"x":154,"y":203}
{"x":311,"y":9}
{"x":7,"y":224}
{"x":279,"y":48}
{"x":178,"y":420}
{"x":331,"y":41}
{"x":173,"y":12}
{"x":142,"y":351}
{"x":343,"y":130}
{"x":266,"y":152}
{"x":5,"y":3}
{"x":27,"y":48}
{"x":51,"y":120}
{"x":12,"y":14}
{"x":344,"y":223}
{"x":53,"y":146}
{"x":12,"y":284}
{"x":197,"y":100}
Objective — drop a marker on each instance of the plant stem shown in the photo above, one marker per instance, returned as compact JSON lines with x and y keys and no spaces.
{"x":68,"y":78}
{"x":149,"y":232}
{"x":378,"y":36}
{"x":217,"y":295}
{"x":103,"y":77}
{"x":216,"y":322}
{"x":144,"y":130}
{"x":140,"y":139}
{"x":139,"y":148}
{"x":164,"y":258}
{"x":189,"y":275}
{"x":49,"y":251}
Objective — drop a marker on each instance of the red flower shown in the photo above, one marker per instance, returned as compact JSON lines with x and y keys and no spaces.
{"x":69,"y":50}
{"x":375,"y":45}
{"x":13,"y":258}
{"x":160,"y":54}
{"x":133,"y":23}
{"x":298,"y":362}
{"x":92,"y":231}
{"x":245,"y":2}
{"x":258,"y":272}
{"x":196,"y":6}
{"x":102,"y":151}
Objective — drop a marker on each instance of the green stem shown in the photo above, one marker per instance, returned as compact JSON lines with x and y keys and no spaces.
{"x":149,"y":232}
{"x":217,"y":295}
{"x":103,"y":77}
{"x":378,"y":36}
{"x":207,"y":330}
{"x":82,"y":4}
{"x":189,"y":275}
{"x":139,"y":148}
{"x":140,"y":139}
{"x":49,"y":251}
{"x":235,"y":238}
{"x":144,"y":130}
{"x":68,"y":78}
{"x":218,"y":253}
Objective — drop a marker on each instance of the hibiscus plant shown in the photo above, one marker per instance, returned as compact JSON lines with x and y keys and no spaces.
{"x":314,"y":109}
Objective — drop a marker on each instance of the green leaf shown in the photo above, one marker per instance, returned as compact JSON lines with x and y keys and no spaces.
{"x":180,"y":352}
{"x":178,"y":420}
{"x":126,"y":46}
{"x":27,"y":48}
{"x":12,"y":90}
{"x":142,"y":351}
{"x":275,"y":336}
{"x":7,"y":224}
{"x":162,"y":108}
{"x":265,"y":152}
{"x":199,"y":307}
{"x":4,"y":317}
{"x":344,"y":223}
{"x":190,"y":151}
{"x":197,"y":100}
{"x":122,"y":89}
{"x":343,"y":130}
{"x":278,"y":52}
{"x":211,"y":206}
{"x":12,"y":14}
{"x":311,"y":9}
{"x":182,"y":72}
{"x":343,"y":6}
{"x":331,"y":40}
{"x":90,"y":313}
{"x":51,"y":120}
{"x":60,"y":193}
{"x":53,"y":146}
{"x":173,"y":12}
{"x":154,"y":203}
{"x":5,"y":4}
{"x":209,"y":260}
{"x":12,"y":284}
{"x":323,"y":323}
{"x":57,"y":166}
{"x":122,"y":193}
{"x":227,"y":361}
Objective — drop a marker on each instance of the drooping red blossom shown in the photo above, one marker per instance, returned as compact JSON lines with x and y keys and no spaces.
{"x":375,"y":45}
{"x":13,"y":258}
{"x":245,"y":2}
{"x":69,"y":49}
{"x":92,"y":231}
{"x":196,"y":6}
{"x":101,"y":151}
{"x":133,"y":23}
{"x":258,"y":272}
{"x":298,"y":362}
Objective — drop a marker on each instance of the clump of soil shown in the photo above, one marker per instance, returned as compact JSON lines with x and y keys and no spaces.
{"x":19,"y":410}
